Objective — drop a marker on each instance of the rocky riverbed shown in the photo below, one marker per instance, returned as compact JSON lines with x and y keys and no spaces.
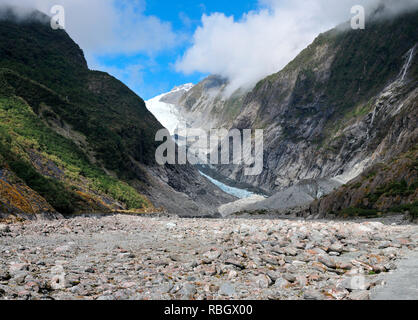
{"x":131,"y":257}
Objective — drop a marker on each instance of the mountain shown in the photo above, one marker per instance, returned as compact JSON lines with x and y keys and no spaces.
{"x":165,"y":107}
{"x":78,"y":140}
{"x":208,"y":105}
{"x":384,"y":187}
{"x":346,"y":103}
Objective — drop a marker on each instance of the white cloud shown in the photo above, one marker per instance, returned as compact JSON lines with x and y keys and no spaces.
{"x":262,"y":42}
{"x":110,"y":26}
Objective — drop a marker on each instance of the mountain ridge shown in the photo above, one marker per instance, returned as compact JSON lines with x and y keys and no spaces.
{"x":345,"y":103}
{"x":87,"y":128}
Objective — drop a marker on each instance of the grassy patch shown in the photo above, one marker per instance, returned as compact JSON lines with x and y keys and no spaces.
{"x":359,"y":212}
{"x":21,"y":129}
{"x":411,"y":208}
{"x":394,"y":189}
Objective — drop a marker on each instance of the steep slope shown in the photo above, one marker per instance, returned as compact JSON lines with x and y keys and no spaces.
{"x":17,"y":199}
{"x":80,"y":138}
{"x":208,"y":106}
{"x":346,"y":102}
{"x":382,"y":188}
{"x":54,"y":166}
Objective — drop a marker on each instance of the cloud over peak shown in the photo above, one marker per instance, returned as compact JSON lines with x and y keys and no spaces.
{"x":262,"y":42}
{"x":108,"y":26}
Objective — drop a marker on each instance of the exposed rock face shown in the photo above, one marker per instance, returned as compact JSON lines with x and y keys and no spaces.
{"x":239,"y":205}
{"x":347,"y":102}
{"x":183,"y":191}
{"x":310,"y":133}
{"x":207,"y":106}
{"x":175,"y":95}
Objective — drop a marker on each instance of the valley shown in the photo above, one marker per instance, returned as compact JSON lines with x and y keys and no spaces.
{"x":87,"y":211}
{"x":170,"y":116}
{"x":319,"y":136}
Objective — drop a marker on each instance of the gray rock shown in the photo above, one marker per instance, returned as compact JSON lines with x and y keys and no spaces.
{"x":171,"y":225}
{"x":227,"y":289}
{"x":313,"y":295}
{"x":384,"y":245}
{"x":4,"y":275}
{"x":281,"y":283}
{"x":212,"y":255}
{"x":273,"y":275}
{"x":18,"y":267}
{"x":58,"y":282}
{"x":100,"y":243}
{"x":291,"y":252}
{"x":2,"y":291}
{"x":235,"y":263}
{"x":63,"y":249}
{"x":359,"y":295}
{"x":327,"y":261}
{"x":289,"y":277}
{"x":166,"y":287}
{"x":4,"y":228}
{"x":188,"y":291}
{"x":106,"y":298}
{"x":19,"y":278}
{"x":390,"y":266}
{"x":337,"y":247}
{"x":262,"y":281}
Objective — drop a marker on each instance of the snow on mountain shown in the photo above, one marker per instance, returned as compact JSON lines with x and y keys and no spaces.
{"x":164,"y":107}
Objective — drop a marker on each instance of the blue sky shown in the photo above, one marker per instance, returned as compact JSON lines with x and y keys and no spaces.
{"x":150,"y":74}
{"x":154,"y":45}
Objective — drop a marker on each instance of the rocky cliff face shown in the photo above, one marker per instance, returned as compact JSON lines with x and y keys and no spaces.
{"x":207,"y":106}
{"x":79,"y":138}
{"x":346,"y":102}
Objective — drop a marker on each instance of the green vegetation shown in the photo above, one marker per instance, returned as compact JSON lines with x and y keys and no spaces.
{"x":47,"y":67}
{"x":356,"y":185}
{"x":233,"y":107}
{"x":363,"y":62}
{"x":46,"y":89}
{"x":58,"y":196}
{"x":412,"y":208}
{"x":359,"y":212}
{"x":381,"y":48}
{"x":394,"y":189}
{"x":21,"y":130}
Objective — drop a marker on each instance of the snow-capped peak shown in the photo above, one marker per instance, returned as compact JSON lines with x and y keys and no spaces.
{"x":185,"y":87}
{"x":164,"y":107}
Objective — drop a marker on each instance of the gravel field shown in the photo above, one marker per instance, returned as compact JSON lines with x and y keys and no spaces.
{"x":131,"y":257}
